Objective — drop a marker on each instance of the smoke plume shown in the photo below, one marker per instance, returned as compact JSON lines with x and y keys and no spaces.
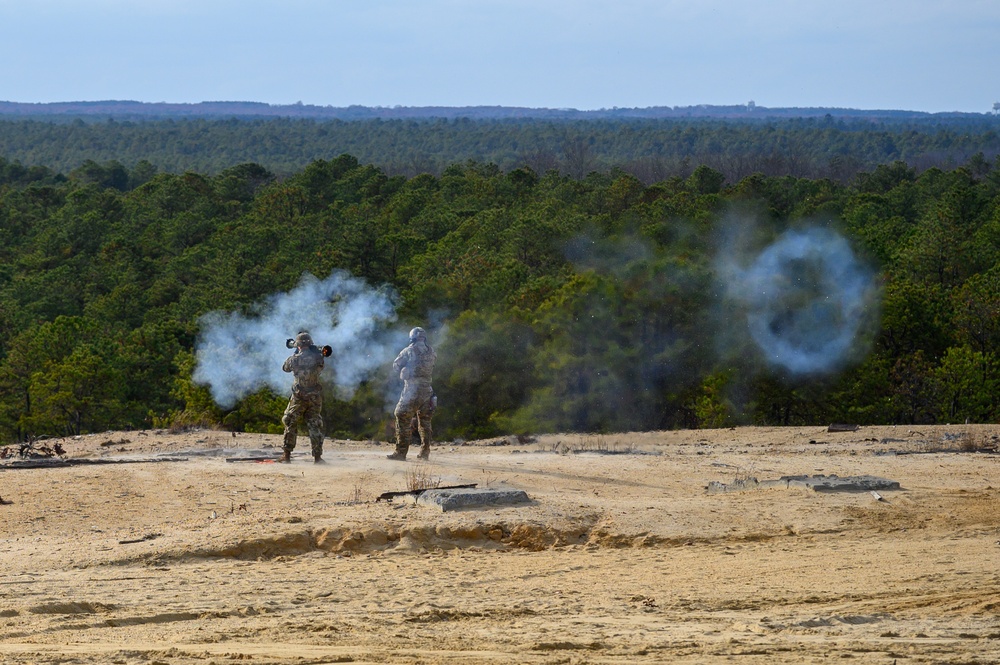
{"x":806,"y":297}
{"x":238,"y":355}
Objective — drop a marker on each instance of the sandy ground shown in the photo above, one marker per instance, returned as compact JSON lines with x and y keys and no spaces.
{"x":621,"y":556}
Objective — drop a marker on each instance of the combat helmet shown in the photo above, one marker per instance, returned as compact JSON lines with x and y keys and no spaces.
{"x":303,"y":340}
{"x":417,"y":334}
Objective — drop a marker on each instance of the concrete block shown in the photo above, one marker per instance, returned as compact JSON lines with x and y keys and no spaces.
{"x":456,"y":499}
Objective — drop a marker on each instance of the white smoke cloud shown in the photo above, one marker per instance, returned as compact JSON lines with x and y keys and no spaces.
{"x":238,"y":355}
{"x":806,"y":297}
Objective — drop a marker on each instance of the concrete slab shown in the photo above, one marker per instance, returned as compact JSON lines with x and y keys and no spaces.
{"x":834,"y":483}
{"x":817,"y":483}
{"x":456,"y":499}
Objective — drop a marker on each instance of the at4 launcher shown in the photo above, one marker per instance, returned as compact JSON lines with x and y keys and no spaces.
{"x":326,"y":350}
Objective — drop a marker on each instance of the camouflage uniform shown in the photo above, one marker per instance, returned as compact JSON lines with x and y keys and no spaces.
{"x":415,"y":365}
{"x":307,"y":396}
{"x":415,"y":425}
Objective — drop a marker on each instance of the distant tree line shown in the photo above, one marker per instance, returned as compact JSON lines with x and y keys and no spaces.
{"x":652,"y":150}
{"x":134,"y":110}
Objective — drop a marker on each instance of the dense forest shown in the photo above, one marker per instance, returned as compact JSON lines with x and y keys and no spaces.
{"x":559,"y":298}
{"x":836,"y":148}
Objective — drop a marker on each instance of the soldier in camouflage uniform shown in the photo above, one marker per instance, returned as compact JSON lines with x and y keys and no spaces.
{"x":415,"y":365}
{"x":307,"y":396}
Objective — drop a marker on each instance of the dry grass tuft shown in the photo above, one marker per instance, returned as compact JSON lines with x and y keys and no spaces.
{"x":599,"y":444}
{"x":419,"y":477}
{"x":361,"y":490}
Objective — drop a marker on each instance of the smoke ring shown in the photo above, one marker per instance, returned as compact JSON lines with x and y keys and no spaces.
{"x":806,"y":295}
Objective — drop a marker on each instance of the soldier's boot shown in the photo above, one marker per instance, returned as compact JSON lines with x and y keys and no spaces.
{"x":400,"y":453}
{"x":317,"y":448}
{"x":401,"y":444}
{"x":288,"y":445}
{"x":425,"y":438}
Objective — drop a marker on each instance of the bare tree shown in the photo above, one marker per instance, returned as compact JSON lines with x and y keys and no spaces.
{"x":540,"y":161}
{"x":577,"y":158}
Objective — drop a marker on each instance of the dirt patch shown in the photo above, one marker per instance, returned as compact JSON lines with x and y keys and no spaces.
{"x":621,"y":556}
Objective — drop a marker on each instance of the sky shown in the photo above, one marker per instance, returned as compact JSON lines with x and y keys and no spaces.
{"x":916,"y":55}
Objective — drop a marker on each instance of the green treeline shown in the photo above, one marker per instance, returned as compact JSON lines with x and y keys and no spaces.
{"x":591,"y":304}
{"x":652,"y":150}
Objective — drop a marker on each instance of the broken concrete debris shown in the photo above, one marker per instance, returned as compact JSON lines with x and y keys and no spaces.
{"x":842,"y":427}
{"x":817,"y":483}
{"x":55,"y":462}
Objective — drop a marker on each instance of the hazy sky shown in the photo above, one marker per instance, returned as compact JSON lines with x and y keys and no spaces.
{"x":921,"y":55}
